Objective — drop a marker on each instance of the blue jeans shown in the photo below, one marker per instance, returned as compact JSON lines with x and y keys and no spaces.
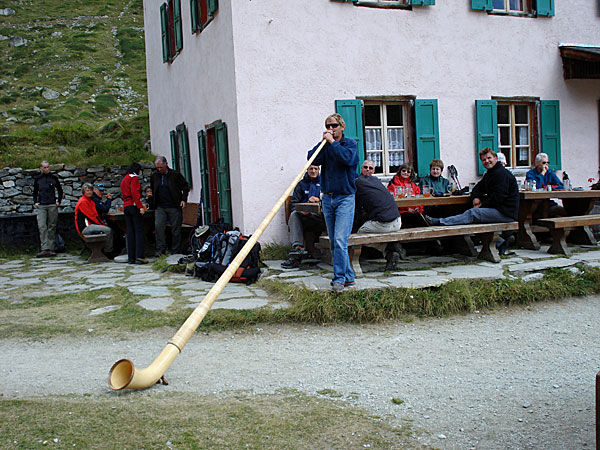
{"x":476,"y":215}
{"x":339,"y":215}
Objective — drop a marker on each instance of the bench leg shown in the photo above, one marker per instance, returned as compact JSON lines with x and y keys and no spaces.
{"x":489,"y":252}
{"x":97,"y":255}
{"x":559,"y":242}
{"x":465,"y":246}
{"x":354,"y":255}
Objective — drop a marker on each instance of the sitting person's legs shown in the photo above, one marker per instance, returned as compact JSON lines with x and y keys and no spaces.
{"x":96,"y":229}
{"x":474,"y":215}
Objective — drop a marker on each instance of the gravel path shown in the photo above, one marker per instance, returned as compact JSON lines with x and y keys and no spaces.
{"x":520,"y":378}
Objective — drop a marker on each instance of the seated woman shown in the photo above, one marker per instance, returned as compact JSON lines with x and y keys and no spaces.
{"x":439,"y":185}
{"x":411,"y":217}
{"x":543,"y":177}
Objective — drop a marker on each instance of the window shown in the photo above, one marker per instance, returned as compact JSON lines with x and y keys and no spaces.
{"x":214,"y":173}
{"x":511,"y":6}
{"x":395,"y":131}
{"x":202,"y":12}
{"x":511,"y":127}
{"x":530,"y":8}
{"x":180,"y":152}
{"x":389,"y":3}
{"x":386,"y":137}
{"x":514,"y":133}
{"x":171,"y":33}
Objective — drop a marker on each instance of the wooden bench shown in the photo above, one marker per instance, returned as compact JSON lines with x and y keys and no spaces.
{"x":95,"y":242}
{"x":560,"y":227}
{"x":488,"y":232}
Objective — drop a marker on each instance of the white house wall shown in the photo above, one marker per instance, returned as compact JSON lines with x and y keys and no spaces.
{"x":283,"y":64}
{"x":198,"y":88}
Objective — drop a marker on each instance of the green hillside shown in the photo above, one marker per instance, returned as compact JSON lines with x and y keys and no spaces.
{"x":72,"y":82}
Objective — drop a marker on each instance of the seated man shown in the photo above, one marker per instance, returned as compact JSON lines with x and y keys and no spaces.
{"x":377,"y":205}
{"x":101,"y":207}
{"x":308,"y":190}
{"x":544,"y":177}
{"x":495,"y":198}
{"x":87,"y":220}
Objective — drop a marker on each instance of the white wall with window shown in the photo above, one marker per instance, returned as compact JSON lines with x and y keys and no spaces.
{"x":274,"y":74}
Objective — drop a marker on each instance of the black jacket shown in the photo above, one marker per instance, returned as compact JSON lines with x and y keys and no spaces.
{"x":305,"y":189}
{"x":498,"y":189}
{"x":178,"y":186}
{"x":374,"y":200}
{"x":47,"y":189}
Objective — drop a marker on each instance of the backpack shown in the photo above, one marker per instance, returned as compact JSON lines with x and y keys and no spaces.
{"x":217,"y":253}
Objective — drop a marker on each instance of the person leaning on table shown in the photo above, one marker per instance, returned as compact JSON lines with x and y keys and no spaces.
{"x":338,"y":160}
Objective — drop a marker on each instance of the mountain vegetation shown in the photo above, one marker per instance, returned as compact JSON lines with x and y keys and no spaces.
{"x":72,"y":82}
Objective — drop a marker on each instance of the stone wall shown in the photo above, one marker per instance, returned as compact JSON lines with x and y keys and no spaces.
{"x":16,"y":185}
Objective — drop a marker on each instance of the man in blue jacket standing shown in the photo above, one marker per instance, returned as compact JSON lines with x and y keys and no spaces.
{"x":338,"y":160}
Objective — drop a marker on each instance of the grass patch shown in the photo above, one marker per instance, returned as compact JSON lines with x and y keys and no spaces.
{"x":286,"y":420}
{"x":69,"y":314}
{"x":274,"y":252}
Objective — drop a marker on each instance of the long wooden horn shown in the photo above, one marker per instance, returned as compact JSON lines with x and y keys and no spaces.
{"x":123,"y":374}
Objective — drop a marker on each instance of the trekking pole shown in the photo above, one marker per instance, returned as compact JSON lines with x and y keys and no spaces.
{"x":124,"y":375}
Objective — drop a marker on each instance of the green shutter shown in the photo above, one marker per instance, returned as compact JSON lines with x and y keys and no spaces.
{"x":482,"y":5}
{"x":177,"y":25}
{"x":174,"y":150}
{"x":164,"y":31}
{"x":213,"y":6}
{"x":550,"y":124}
{"x":427,"y":134}
{"x":184,"y":153}
{"x":223,"y":181}
{"x":194,"y":14}
{"x":545,"y":7}
{"x":204,"y":176}
{"x":352,"y":113}
{"x":422,"y":2}
{"x":486,"y":129}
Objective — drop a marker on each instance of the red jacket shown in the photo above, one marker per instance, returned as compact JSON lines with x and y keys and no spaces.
{"x":131,"y":191}
{"x":86,"y":214}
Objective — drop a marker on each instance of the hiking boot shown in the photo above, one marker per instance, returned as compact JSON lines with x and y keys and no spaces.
{"x":349,"y":284}
{"x":430,"y":221}
{"x":298,"y":250}
{"x":337,"y":287}
{"x":45,"y":253}
{"x":504,"y":246}
{"x":141,"y":261}
{"x":291,"y":264}
{"x":392,"y":259}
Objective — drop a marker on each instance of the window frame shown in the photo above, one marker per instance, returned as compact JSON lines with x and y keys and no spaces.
{"x":532,"y":135}
{"x":180,"y":152}
{"x":171,"y":30}
{"x":202,"y":13}
{"x":389,"y":4}
{"x":408,"y":125}
{"x":536,"y":8}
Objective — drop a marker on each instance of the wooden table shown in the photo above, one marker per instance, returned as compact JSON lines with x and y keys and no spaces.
{"x":116,"y":220}
{"x":411,"y":202}
{"x":576,"y":203}
{"x":311,"y":207}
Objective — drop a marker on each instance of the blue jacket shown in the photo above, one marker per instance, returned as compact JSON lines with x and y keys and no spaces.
{"x":102,"y":208}
{"x":541,"y":181}
{"x":338,"y":163}
{"x":305,"y":189}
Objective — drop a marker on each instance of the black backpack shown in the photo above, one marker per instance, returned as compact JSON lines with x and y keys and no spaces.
{"x":217,"y":253}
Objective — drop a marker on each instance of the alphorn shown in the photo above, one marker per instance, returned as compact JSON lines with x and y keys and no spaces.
{"x":124,"y":375}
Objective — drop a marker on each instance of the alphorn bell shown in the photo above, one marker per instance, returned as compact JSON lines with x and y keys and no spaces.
{"x":124,"y":375}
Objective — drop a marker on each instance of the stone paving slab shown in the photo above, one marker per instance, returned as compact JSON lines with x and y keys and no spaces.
{"x":417,"y":282}
{"x":158,"y":291}
{"x":542,"y":265}
{"x":155,"y":303}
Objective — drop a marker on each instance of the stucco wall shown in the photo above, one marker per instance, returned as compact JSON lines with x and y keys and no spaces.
{"x":281,"y":69}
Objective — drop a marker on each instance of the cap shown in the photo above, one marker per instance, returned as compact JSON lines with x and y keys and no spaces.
{"x":99,"y":186}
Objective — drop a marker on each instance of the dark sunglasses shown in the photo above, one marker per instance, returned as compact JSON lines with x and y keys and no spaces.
{"x":545,"y":162}
{"x":332,"y":125}
{"x":406,"y":170}
{"x":368,"y":168}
